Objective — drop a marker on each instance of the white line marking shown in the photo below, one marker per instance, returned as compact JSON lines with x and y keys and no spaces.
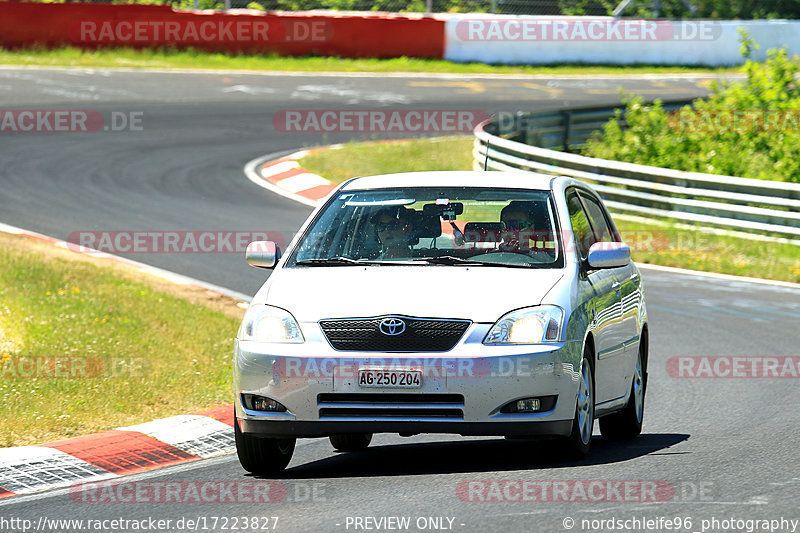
{"x":460,"y":76}
{"x":173,"y":277}
{"x":727,"y":277}
{"x":166,"y":471}
{"x":27,"y":469}
{"x":248,"y":89}
{"x":250,"y":171}
{"x":301,"y":182}
{"x":702,"y":229}
{"x":21,"y":499}
{"x":279,"y":168}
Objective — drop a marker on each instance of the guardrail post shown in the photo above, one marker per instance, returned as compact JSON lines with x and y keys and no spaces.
{"x":521,"y":126}
{"x":567,"y":125}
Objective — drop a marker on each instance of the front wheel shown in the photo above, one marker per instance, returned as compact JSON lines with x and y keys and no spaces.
{"x":262,"y":455}
{"x":580,"y":439}
{"x":627,"y":424}
{"x":351,"y":442}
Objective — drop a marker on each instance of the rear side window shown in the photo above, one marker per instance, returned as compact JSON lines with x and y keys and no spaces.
{"x":597,"y":218}
{"x":580,"y":224}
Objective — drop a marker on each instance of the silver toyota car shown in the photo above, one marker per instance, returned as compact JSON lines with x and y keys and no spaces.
{"x":471,"y":303}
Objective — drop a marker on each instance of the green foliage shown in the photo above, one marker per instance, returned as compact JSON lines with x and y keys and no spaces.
{"x":706,"y":9}
{"x":749,"y":129}
{"x":580,"y":8}
{"x":720,"y":9}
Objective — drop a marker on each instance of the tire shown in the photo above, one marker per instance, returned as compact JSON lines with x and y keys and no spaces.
{"x":580,"y":439}
{"x":627,"y":424}
{"x":262,"y":455}
{"x":351,"y":442}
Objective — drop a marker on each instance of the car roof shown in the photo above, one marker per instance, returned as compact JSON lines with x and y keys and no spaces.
{"x":457,"y":178}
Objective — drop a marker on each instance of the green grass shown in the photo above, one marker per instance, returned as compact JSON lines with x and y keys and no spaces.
{"x":384,"y":157}
{"x":671,"y":245}
{"x":667,"y":244}
{"x":129,"y":351}
{"x":186,"y":59}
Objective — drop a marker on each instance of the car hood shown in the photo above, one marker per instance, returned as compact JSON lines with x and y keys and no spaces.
{"x":480,"y":294}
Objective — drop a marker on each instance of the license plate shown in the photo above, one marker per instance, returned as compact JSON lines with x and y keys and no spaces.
{"x":398,"y":379}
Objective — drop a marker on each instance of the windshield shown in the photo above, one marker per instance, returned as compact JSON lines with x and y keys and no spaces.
{"x":452,"y":226}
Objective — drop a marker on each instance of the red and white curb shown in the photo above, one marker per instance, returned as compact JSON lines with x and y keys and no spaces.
{"x":286,"y":177}
{"x":124,"y":450}
{"x":117,"y":452}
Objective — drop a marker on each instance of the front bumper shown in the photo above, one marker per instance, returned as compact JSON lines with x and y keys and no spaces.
{"x":474,"y":380}
{"x":283,"y":428}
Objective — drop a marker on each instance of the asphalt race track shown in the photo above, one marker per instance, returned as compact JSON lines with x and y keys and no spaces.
{"x":726,"y":448}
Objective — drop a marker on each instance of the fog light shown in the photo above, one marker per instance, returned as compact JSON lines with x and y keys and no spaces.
{"x":538,"y":404}
{"x":528,"y":405}
{"x":260,"y":403}
{"x":265,"y":404}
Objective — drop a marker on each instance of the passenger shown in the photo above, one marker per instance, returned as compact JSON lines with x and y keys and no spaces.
{"x":517,"y":218}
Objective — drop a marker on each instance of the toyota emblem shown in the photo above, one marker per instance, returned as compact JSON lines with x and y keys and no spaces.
{"x":392,"y":326}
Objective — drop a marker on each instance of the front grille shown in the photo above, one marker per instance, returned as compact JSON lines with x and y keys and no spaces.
{"x":390,"y":405}
{"x":420,"y":335}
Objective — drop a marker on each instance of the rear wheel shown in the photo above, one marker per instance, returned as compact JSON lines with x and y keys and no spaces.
{"x":351,"y":442}
{"x":262,"y":455}
{"x":627,"y":424}
{"x":580,"y":439}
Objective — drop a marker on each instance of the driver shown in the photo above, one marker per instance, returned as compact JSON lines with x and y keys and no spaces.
{"x":395,"y":229}
{"x":517,"y":224}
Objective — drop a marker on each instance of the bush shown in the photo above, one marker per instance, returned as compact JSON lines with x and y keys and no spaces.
{"x":749,"y":129}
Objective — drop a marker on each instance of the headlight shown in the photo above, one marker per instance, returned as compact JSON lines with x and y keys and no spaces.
{"x":531,"y":325}
{"x":265,"y":323}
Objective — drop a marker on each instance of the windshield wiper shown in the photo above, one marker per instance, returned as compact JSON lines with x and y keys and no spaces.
{"x":330,"y":261}
{"x":344,"y":261}
{"x":449,"y":260}
{"x":453,"y":260}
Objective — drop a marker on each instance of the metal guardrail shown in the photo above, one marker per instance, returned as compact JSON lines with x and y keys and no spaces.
{"x":564,"y":129}
{"x":525,"y":141}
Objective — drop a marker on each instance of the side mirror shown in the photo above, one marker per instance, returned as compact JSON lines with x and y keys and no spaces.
{"x":262,"y":254}
{"x":609,"y":255}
